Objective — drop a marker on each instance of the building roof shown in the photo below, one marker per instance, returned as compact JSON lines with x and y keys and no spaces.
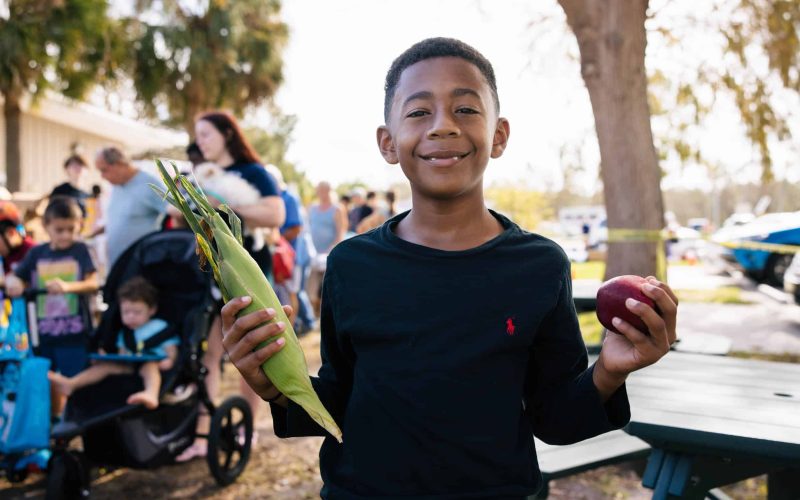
{"x":135,"y":135}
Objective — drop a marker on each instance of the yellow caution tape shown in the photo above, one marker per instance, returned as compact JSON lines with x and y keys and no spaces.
{"x":626,"y":235}
{"x":617,"y":235}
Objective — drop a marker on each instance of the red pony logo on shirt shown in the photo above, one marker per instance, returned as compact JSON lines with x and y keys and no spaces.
{"x":510,"y":326}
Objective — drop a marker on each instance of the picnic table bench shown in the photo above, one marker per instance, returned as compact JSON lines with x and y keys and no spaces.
{"x":610,"y":448}
{"x":716,"y":420}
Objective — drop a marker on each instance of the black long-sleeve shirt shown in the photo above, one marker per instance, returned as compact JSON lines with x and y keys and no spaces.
{"x":440,"y":366}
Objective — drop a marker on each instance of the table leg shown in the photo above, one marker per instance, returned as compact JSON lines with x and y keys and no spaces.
{"x":672,"y":474}
{"x":783,"y":484}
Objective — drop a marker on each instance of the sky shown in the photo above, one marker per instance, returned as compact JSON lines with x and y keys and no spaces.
{"x":339,"y":52}
{"x":338,"y":55}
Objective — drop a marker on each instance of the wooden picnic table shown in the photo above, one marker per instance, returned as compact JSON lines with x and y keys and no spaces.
{"x":713,"y":421}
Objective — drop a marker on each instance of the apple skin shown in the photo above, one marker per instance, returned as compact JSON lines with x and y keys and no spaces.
{"x":611,"y":298}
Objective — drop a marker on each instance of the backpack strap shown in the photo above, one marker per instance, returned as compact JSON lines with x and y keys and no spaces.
{"x":159,"y":338}
{"x":129,"y":340}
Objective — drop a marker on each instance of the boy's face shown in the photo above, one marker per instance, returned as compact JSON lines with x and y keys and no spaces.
{"x":135,"y":313}
{"x":62,"y":232}
{"x":443,"y":128}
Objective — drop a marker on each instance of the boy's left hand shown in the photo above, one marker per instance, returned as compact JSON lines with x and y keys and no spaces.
{"x":623,"y":354}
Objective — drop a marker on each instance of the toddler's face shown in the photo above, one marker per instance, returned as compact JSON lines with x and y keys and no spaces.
{"x":62,"y":232}
{"x":135,"y":313}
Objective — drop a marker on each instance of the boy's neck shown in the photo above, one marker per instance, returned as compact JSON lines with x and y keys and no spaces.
{"x":451,"y":225}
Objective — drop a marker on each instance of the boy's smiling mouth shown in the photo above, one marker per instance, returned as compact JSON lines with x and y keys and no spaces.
{"x":443,"y":158}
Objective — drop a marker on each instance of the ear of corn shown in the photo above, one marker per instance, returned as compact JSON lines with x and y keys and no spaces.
{"x":239,"y":275}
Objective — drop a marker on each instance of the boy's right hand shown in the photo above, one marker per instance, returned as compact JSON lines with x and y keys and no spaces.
{"x":14,"y":286}
{"x":241,"y":338}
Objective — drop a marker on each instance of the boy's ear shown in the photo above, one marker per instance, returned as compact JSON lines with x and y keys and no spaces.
{"x":500,"y":139}
{"x":386,"y":145}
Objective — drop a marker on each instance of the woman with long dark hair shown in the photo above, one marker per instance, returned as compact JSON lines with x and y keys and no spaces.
{"x":221,"y":141}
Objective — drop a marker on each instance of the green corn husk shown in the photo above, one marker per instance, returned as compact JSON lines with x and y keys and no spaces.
{"x":239,"y":275}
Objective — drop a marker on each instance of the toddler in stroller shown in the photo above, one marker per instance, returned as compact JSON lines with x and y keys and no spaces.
{"x":148,"y":343}
{"x":116,"y":433}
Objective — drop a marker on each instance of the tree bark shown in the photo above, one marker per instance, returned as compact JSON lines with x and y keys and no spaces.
{"x":612,"y":39}
{"x":13,"y":118}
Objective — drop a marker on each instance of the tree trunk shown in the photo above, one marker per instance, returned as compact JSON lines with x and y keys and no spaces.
{"x":12,"y":115}
{"x":611,"y":37}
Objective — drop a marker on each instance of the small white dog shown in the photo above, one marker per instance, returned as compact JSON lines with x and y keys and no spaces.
{"x":231,"y":190}
{"x":227,"y":188}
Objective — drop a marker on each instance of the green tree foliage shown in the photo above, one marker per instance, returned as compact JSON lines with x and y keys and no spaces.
{"x":226,"y":55}
{"x":271,"y":145}
{"x":758,"y":67}
{"x":67,"y":46}
{"x":525,"y":207}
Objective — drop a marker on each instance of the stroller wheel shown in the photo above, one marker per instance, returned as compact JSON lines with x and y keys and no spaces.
{"x":229,"y":440}
{"x":16,"y":475}
{"x":67,"y":477}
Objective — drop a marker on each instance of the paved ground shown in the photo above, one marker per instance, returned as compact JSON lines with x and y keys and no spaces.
{"x":767,"y":325}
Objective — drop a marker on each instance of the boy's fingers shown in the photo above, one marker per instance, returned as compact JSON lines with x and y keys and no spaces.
{"x":231,"y":308}
{"x":251,"y":339}
{"x":656,"y":327}
{"x":266,"y":352}
{"x":288,"y":310}
{"x":629,"y":332}
{"x":664,"y":287}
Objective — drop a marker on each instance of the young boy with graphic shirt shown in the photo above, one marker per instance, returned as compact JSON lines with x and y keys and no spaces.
{"x":64,"y":268}
{"x":449,"y":336}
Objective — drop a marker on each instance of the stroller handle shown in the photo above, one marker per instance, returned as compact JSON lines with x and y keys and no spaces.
{"x":30,"y":294}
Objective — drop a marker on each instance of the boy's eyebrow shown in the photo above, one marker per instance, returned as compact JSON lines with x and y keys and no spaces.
{"x":422,"y":94}
{"x":425,"y":94}
{"x":465,"y":91}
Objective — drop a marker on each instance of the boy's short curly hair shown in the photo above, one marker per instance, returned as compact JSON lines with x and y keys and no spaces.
{"x":429,"y":49}
{"x":62,"y":207}
{"x":138,"y":289}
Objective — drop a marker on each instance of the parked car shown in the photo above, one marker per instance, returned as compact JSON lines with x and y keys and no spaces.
{"x":574,"y":248}
{"x":762,"y":265}
{"x":791,"y":280}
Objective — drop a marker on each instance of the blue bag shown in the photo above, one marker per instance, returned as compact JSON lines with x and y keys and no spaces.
{"x":25,"y":405}
{"x":24,"y":388}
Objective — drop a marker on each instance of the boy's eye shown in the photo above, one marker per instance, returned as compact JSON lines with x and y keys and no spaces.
{"x":468,"y":111}
{"x":416,"y":113}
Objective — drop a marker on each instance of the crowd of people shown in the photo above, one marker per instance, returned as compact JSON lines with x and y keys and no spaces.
{"x":84,"y":237}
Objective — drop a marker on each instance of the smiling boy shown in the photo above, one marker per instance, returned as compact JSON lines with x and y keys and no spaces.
{"x":449,"y":337}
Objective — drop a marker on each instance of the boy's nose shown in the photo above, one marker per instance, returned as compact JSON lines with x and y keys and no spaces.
{"x":443,"y":126}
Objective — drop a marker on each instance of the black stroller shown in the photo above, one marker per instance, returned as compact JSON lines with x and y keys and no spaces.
{"x":115,"y":433}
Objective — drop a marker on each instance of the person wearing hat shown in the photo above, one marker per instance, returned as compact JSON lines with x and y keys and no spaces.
{"x":14,"y":243}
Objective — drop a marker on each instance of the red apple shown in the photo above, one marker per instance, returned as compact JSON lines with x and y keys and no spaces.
{"x":611,"y":298}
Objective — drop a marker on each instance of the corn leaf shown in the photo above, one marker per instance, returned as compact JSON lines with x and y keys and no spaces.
{"x":239,"y":275}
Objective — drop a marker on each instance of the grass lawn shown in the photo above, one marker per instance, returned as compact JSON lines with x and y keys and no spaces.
{"x":590,"y":327}
{"x":722,"y":295}
{"x":593,"y":270}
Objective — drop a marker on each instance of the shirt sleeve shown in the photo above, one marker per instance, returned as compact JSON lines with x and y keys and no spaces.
{"x":334,"y":382}
{"x":560,"y":396}
{"x":292,"y":212}
{"x":260,"y":179}
{"x":85,"y":260}
{"x":152,"y":200}
{"x":24,"y":270}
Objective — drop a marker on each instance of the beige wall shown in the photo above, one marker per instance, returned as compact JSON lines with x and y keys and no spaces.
{"x":51,"y":126}
{"x":45,"y":145}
